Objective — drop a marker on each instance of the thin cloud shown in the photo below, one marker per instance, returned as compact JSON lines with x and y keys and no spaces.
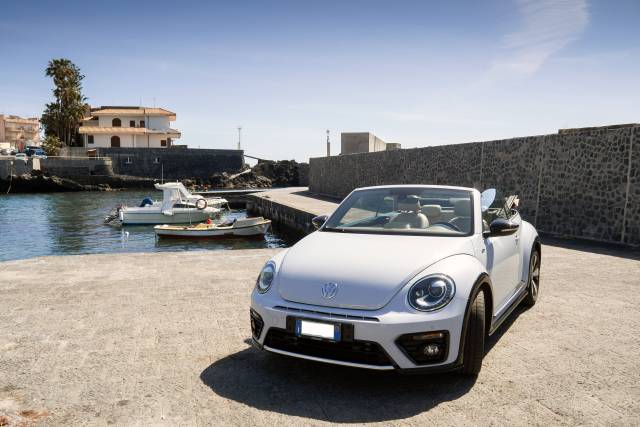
{"x":549,"y":26}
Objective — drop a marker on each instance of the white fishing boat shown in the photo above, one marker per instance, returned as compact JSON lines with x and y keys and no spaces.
{"x":178,"y":206}
{"x":242,"y":227}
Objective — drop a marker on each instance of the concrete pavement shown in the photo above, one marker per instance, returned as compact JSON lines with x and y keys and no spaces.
{"x":163,"y":339}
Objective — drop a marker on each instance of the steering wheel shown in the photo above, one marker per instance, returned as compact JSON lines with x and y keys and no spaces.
{"x":447,"y":224}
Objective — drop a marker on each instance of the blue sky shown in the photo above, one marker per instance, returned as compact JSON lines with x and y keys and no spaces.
{"x":416,"y":72}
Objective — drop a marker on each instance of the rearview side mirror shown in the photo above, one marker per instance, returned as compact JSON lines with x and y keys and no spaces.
{"x":501,"y":227}
{"x":319,"y":221}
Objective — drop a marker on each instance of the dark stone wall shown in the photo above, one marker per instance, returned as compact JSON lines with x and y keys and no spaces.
{"x":76,"y":167}
{"x":303,"y":174}
{"x":584,"y":183}
{"x":174,"y":163}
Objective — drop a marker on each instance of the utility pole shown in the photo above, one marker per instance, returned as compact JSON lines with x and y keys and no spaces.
{"x":328,"y":144}
{"x":239,"y":137}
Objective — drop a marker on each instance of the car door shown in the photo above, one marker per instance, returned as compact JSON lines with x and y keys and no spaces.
{"x":503,"y":262}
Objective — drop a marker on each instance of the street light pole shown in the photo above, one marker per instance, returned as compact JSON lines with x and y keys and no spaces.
{"x":328,"y":144}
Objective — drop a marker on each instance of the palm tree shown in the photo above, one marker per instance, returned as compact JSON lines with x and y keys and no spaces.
{"x":62,"y":117}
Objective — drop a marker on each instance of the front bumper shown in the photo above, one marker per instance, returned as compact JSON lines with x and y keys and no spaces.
{"x":375,"y":341}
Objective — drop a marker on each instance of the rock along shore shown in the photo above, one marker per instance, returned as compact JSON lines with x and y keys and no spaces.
{"x":38,"y":182}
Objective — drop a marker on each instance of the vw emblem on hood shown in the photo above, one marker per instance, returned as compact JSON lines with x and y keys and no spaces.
{"x":329,"y":290}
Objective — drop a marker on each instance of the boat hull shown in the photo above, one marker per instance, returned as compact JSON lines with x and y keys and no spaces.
{"x":253,"y":230}
{"x":141,"y":217}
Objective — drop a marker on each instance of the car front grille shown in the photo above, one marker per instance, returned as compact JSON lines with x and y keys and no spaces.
{"x":355,"y":351}
{"x":327,"y":313}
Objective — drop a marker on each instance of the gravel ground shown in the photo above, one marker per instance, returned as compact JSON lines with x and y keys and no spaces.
{"x":163,"y":339}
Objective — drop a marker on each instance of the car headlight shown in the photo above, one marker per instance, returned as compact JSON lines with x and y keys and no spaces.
{"x":432,"y":292}
{"x":265,"y":279}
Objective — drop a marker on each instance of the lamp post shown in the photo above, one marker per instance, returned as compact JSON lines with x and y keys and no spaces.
{"x":328,"y":144}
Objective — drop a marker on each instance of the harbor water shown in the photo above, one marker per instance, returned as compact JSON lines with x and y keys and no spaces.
{"x":34,"y":225}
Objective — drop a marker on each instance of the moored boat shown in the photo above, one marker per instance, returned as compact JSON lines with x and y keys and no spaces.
{"x":242,"y":227}
{"x":178,"y":206}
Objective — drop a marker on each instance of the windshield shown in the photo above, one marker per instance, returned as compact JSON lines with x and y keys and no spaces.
{"x":405,"y":210}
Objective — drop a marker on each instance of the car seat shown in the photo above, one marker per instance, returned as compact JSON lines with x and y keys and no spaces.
{"x":462,"y":215}
{"x":433,"y":213}
{"x":410,"y":215}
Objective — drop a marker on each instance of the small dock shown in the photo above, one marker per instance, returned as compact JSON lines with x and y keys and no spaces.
{"x":237,"y":198}
{"x":292,"y":208}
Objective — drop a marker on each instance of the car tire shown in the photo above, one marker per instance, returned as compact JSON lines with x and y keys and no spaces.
{"x":533,"y":285}
{"x":474,"y":339}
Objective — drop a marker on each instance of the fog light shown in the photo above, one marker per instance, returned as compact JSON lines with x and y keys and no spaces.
{"x":431,"y":350}
{"x":424,"y":348}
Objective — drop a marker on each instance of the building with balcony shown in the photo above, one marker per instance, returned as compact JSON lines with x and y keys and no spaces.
{"x":128,"y":127}
{"x":19,"y":132}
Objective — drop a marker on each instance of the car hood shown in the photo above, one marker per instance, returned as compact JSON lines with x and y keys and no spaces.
{"x":369,"y":269}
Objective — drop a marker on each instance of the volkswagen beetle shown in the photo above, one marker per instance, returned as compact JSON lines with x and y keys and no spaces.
{"x":407,"y":277}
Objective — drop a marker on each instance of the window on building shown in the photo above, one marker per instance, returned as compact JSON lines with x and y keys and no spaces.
{"x":156,"y":160}
{"x":132,"y":123}
{"x":115,"y":141}
{"x":129,"y":160}
{"x":116,"y":123}
{"x":89,"y":139}
{"x":141,"y":123}
{"x":163,"y":143}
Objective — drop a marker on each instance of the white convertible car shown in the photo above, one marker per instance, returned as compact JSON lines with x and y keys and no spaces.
{"x":401,"y":277}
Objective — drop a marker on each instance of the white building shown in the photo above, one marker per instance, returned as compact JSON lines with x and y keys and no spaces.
{"x":131,"y":127}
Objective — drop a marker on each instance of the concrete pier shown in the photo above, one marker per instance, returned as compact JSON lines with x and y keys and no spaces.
{"x":163,"y":339}
{"x":292,"y":207}
{"x":237,"y":198}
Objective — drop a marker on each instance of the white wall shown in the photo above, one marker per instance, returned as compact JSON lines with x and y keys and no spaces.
{"x":137,"y":141}
{"x":105,"y":121}
{"x":153,"y":122}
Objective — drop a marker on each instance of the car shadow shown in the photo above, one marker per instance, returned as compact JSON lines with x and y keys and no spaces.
{"x":333,"y":393}
{"x":325,"y":392}
{"x":492,"y":340}
{"x":600,"y":248}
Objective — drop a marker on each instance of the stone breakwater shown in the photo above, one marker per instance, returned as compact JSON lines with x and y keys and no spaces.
{"x":39,"y":182}
{"x":582,"y":183}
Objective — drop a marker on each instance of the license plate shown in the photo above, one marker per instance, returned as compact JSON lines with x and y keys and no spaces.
{"x":328,"y":331}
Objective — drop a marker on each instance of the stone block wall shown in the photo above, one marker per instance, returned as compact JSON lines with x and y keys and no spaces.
{"x":303,"y":174}
{"x":583,"y":183}
{"x":59,"y":166}
{"x":76,"y":167}
{"x":9,"y":166}
{"x":172,"y":163}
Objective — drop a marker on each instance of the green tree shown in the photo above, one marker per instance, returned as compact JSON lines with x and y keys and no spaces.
{"x":52,"y":145}
{"x":62,"y":117}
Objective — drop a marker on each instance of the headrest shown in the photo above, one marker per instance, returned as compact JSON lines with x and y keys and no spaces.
{"x":410,"y":203}
{"x":462,"y":207}
{"x":431,"y":210}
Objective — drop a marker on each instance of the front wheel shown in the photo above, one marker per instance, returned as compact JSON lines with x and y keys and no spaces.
{"x":533,"y":287}
{"x":474,"y":339}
